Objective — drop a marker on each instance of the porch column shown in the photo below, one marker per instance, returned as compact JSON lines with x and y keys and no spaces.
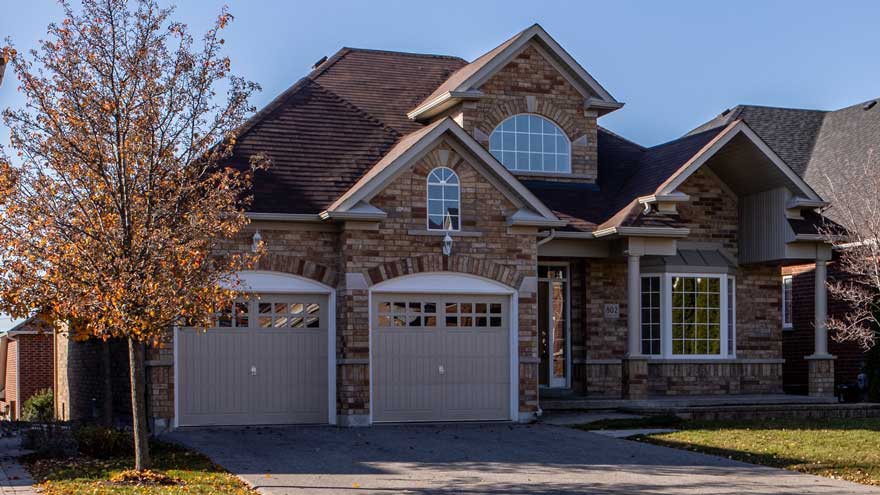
{"x":634,"y":313}
{"x":635,"y":366}
{"x":821,"y":364}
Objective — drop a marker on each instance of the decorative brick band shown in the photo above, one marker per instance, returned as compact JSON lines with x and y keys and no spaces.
{"x":297,"y":266}
{"x":506,"y":275}
{"x":508,"y":107}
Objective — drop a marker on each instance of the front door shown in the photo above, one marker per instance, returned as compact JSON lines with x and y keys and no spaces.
{"x":553,"y":326}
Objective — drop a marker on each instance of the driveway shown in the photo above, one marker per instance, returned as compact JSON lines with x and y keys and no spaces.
{"x":481,"y":459}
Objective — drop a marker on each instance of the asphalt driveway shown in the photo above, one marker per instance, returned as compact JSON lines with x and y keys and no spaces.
{"x":481,"y":459}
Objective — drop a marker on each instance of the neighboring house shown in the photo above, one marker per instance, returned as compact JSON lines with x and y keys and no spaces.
{"x":828,"y":149}
{"x":449,"y":240}
{"x":26,"y":365}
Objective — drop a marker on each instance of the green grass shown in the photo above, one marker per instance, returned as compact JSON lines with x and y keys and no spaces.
{"x":195,"y":473}
{"x":839,"y":448}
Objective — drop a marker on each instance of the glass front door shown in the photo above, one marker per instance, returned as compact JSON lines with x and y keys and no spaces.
{"x":553,"y":327}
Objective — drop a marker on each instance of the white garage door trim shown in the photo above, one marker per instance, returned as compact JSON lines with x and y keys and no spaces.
{"x":455,"y":283}
{"x":268,"y":282}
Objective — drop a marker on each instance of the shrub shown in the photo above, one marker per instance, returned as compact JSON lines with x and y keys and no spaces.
{"x":48,"y":440}
{"x":101,"y":442}
{"x":39,"y":408}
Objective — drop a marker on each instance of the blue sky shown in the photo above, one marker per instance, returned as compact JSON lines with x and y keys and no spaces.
{"x":674,"y":63}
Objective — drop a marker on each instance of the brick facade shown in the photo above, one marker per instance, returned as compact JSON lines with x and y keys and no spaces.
{"x":29,"y":369}
{"x":531,"y":84}
{"x":351,"y":257}
{"x":799,"y":341}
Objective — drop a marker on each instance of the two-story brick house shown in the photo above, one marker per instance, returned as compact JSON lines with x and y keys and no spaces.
{"x":449,"y":240}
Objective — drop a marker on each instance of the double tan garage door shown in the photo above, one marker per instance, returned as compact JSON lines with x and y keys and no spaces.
{"x":440,"y":358}
{"x":264,"y":363}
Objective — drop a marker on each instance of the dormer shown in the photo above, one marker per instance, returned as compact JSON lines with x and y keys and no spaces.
{"x":530,"y":104}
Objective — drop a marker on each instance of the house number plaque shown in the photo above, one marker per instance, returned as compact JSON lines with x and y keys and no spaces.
{"x":612,"y":311}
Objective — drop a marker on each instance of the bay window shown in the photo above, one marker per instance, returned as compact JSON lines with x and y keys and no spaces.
{"x":688,"y":315}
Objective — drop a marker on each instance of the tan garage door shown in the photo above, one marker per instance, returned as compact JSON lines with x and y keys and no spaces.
{"x":264,"y":363}
{"x":440,"y":358}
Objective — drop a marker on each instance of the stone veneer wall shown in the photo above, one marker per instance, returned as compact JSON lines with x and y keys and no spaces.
{"x":531,"y":84}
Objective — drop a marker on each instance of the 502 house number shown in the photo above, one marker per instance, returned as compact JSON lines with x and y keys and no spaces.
{"x":612,"y":311}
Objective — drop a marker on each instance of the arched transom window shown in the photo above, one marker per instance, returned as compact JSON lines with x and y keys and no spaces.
{"x":443,"y":200}
{"x":531,"y":143}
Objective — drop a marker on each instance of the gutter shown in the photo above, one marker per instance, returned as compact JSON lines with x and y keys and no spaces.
{"x":644,"y":231}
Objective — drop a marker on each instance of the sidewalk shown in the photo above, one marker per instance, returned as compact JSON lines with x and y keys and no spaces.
{"x":14,"y":480}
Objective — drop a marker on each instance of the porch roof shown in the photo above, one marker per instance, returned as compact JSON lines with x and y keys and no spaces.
{"x":691,"y":261}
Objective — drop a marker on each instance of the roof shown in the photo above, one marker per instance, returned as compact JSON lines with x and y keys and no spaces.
{"x":324,"y":132}
{"x":627,"y":171}
{"x":824,"y":147}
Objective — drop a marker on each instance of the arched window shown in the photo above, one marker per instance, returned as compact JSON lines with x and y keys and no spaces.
{"x":531,"y":143}
{"x":443,"y":200}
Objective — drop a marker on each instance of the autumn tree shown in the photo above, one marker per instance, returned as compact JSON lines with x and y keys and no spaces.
{"x":112,"y":209}
{"x":854,"y":194}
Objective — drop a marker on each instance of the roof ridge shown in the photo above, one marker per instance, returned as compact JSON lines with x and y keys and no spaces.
{"x":618,"y":136}
{"x":860,"y":104}
{"x":359,"y":110}
{"x":330,"y":62}
{"x":397,"y":52}
{"x":784,"y":108}
{"x":270,"y":107}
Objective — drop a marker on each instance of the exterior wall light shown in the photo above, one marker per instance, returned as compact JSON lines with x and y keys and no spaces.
{"x":257,"y":241}
{"x":447,"y":244}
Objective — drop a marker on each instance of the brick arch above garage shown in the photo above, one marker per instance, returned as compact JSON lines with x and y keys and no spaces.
{"x":297,"y":265}
{"x":497,"y":272}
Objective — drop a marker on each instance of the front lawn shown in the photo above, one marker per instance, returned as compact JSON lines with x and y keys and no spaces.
{"x":838,"y":448}
{"x":194,"y":473}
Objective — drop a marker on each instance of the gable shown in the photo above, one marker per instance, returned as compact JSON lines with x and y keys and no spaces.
{"x":413,"y":147}
{"x":465,"y":83}
{"x":483,"y":207}
{"x":531,"y":73}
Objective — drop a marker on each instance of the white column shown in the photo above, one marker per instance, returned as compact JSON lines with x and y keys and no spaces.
{"x":821,"y":309}
{"x":634,"y":312}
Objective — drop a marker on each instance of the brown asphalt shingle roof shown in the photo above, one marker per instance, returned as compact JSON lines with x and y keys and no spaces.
{"x":324,"y":132}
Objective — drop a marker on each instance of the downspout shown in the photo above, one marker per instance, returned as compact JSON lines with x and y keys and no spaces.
{"x":547,"y":239}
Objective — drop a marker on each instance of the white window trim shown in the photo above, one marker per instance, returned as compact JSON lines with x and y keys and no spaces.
{"x":428,"y":200}
{"x":787,"y":324}
{"x":666,"y":316}
{"x":542,"y":171}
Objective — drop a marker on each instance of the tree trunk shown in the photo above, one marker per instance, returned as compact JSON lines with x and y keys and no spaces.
{"x":138,"y":405}
{"x":107,"y":364}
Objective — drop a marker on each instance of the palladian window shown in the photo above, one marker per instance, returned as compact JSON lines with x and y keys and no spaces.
{"x":531,"y":143}
{"x":443,"y":200}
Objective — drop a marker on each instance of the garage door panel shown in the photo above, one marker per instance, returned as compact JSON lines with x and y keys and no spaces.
{"x":458,"y":369}
{"x":406,"y":375}
{"x":214,"y":372}
{"x":272,"y":369}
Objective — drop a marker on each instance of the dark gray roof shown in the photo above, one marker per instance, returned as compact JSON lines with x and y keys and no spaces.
{"x":790,"y":132}
{"x":826,"y":148}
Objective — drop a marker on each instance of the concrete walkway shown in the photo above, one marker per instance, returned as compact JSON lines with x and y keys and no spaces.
{"x":14,"y":480}
{"x":482,"y":459}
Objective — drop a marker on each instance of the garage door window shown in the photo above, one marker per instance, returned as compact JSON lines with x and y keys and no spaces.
{"x":468,"y":314}
{"x":234,"y":316}
{"x":407,"y":314}
{"x":288,"y":315}
{"x":270,"y":314}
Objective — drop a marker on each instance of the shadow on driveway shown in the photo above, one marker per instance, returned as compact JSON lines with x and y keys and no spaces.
{"x":481,"y":459}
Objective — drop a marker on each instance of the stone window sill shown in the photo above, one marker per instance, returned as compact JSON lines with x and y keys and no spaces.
{"x":441,"y":233}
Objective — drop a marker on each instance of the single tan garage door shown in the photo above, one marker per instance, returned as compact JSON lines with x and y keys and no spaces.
{"x":265,"y":363}
{"x":440,"y":358}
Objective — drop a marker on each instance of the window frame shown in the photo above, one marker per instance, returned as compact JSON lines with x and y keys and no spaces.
{"x":727,"y":294}
{"x":428,"y":200}
{"x":542,"y":170}
{"x":787,"y":316}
